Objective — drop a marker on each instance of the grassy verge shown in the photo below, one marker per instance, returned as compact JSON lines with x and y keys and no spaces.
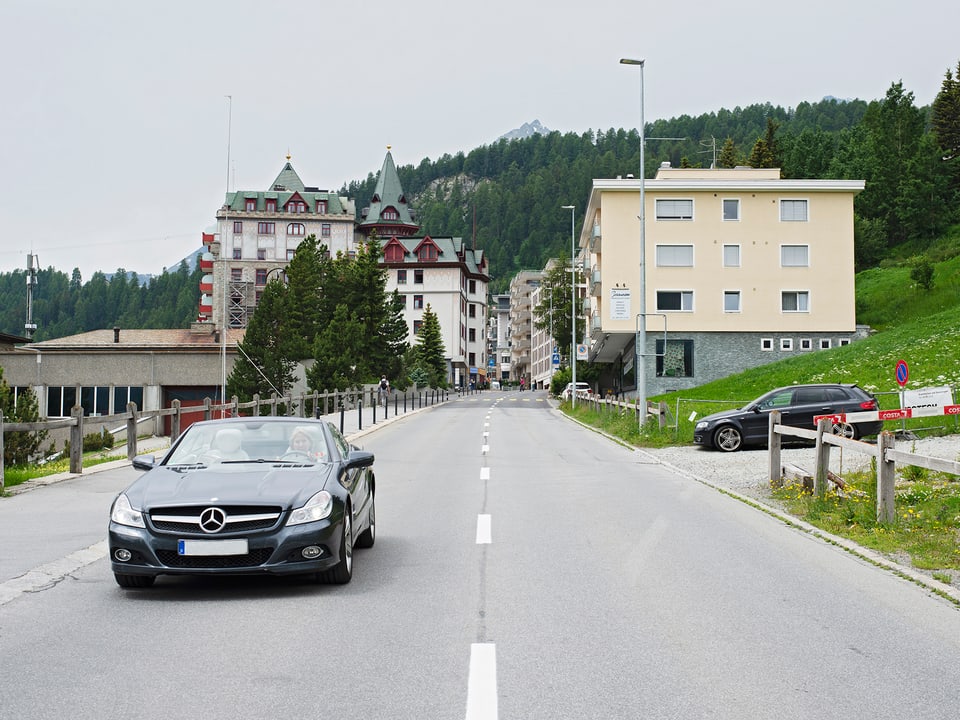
{"x":19,"y":474}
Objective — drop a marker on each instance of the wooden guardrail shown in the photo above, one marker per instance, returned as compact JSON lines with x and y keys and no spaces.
{"x":315,"y":404}
{"x":885,"y":452}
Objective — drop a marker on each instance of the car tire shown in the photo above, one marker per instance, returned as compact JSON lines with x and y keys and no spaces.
{"x":368,"y":537}
{"x":727,"y":438}
{"x":846,"y":430}
{"x":342,"y":572}
{"x":134,"y":581}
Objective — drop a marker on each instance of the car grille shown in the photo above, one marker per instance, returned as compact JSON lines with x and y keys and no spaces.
{"x":255,"y":557}
{"x":186,"y":520}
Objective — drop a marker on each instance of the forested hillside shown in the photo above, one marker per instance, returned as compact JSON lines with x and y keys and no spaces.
{"x":506,"y":197}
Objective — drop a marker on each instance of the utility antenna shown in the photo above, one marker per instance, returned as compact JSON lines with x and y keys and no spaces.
{"x":712,"y":144}
{"x":30,"y":327}
{"x":223,"y":265}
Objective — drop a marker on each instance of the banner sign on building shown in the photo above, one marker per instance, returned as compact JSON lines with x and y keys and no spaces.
{"x":620,"y":303}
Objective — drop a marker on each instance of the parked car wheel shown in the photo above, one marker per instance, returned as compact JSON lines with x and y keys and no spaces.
{"x":134,"y":581}
{"x":846,"y":430}
{"x":728,"y":439}
{"x":341,"y":573}
{"x":368,"y":537}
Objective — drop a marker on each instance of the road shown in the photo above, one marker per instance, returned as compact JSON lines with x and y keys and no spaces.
{"x":524,"y":568}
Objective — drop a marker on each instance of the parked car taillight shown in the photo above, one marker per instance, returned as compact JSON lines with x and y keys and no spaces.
{"x":868,"y":405}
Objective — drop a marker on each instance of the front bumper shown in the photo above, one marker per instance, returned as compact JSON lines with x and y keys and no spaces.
{"x":276,"y":552}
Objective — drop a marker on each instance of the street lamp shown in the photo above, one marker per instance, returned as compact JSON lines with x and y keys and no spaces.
{"x":573,"y":308}
{"x":641,"y":342}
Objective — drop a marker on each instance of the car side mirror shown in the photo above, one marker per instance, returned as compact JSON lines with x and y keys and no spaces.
{"x":359,"y":458}
{"x":144,"y":462}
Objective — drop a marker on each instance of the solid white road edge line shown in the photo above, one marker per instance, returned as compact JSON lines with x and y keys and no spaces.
{"x":46,"y":576}
{"x":482,"y":683}
{"x":484,"y":473}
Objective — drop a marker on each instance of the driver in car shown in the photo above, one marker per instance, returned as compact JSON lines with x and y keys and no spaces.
{"x":301,"y":443}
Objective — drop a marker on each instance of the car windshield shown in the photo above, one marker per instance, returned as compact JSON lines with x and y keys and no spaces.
{"x":255,"y":441}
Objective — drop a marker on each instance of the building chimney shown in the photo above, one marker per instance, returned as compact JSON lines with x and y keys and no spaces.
{"x":116,"y":334}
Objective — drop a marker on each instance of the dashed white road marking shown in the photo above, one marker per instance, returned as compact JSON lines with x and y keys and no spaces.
{"x":484,"y":536}
{"x":484,"y":473}
{"x":482,"y":683}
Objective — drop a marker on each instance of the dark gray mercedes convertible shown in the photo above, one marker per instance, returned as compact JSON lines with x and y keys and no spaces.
{"x":246,"y":495}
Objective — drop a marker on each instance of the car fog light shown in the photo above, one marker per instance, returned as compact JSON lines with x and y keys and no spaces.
{"x":311,"y":551}
{"x":122,"y":554}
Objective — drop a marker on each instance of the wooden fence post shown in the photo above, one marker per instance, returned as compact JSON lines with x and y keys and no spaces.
{"x":76,"y":440}
{"x":823,"y":459}
{"x":175,"y":421}
{"x":207,"y":412}
{"x":886,"y":477}
{"x":774,"y":443}
{"x":132,"y":431}
{"x":2,"y":479}
{"x":273,"y":404}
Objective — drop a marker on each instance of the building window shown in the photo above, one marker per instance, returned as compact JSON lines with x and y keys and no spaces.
{"x":472,"y":335}
{"x":675,"y":300}
{"x":417,"y":324}
{"x":806,"y":344}
{"x":401,"y":277}
{"x":95,"y":400}
{"x":403,"y":301}
{"x":674,"y":255}
{"x":238,"y":227}
{"x":766,"y":344}
{"x":471,"y":310}
{"x":266,"y":228}
{"x":261,"y":254}
{"x":296,"y":229}
{"x":675,"y":359}
{"x":296,"y":206}
{"x":261,"y":276}
{"x":321,"y":207}
{"x":731,"y":209}
{"x":427,"y":253}
{"x":271,"y":205}
{"x":843,"y":341}
{"x":237,"y":253}
{"x":236,"y":274}
{"x":390,"y":214}
{"x":394,"y":253}
{"x":731,"y":301}
{"x":786,"y":344}
{"x":250,"y":204}
{"x":795,"y":256}
{"x":472,"y":287}
{"x":418,"y":276}
{"x":795,"y":301}
{"x":674,"y":209}
{"x":793,"y":211}
{"x":290,"y":253}
{"x":472,"y":360}
{"x":418,"y":302}
{"x":731,"y":256}
{"x":825,"y":343}
{"x":325,"y":230}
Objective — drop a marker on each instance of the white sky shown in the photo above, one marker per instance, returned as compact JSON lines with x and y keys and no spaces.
{"x":114,"y":120}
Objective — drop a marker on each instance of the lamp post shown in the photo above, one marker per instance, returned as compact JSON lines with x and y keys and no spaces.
{"x":573,"y":307}
{"x":641,"y":342}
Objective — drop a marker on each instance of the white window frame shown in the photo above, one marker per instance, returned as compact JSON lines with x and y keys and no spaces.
{"x":686,"y":300}
{"x":786,"y":344}
{"x":826,"y":343}
{"x":843,"y":341}
{"x":674,"y":209}
{"x":766,"y":344}
{"x":674,"y":255}
{"x":798,"y":293}
{"x":790,"y":255}
{"x":790,"y":210}
{"x":732,"y":293}
{"x":731,"y":246}
{"x":723,"y":209}
{"x":806,"y":344}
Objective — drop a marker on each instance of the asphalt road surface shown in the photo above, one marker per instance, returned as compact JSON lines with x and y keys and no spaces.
{"x":525,"y":567}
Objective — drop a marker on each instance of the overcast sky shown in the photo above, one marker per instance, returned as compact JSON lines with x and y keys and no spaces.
{"x":114,"y":119}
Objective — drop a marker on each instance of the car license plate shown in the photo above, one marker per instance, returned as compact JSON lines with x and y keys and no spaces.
{"x":212,"y":547}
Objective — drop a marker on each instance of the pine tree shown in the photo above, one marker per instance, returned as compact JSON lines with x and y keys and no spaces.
{"x":263,"y":364}
{"x":306,"y":278}
{"x":945,"y":115}
{"x":339,"y":362}
{"x":430,"y":351}
{"x":20,"y":446}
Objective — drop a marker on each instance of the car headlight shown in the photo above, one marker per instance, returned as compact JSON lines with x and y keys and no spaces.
{"x":702,"y":425}
{"x":318,"y":507}
{"x":123,"y":514}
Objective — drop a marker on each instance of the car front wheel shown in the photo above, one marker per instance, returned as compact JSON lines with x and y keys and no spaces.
{"x":341,"y":573}
{"x":846,"y":430}
{"x":369,"y":536}
{"x":728,"y":439}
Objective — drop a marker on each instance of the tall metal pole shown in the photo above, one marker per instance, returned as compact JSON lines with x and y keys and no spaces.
{"x":641,"y":341}
{"x":573,"y":307}
{"x":223,"y":257}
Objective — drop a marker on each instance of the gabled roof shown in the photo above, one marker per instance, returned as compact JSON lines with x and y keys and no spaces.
{"x":288,"y":180}
{"x":450,"y":251}
{"x":388,"y":194}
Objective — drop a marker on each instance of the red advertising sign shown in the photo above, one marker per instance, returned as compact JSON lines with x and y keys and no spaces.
{"x":895,"y":414}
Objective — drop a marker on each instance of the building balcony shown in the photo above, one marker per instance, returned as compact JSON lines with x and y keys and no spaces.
{"x":595,"y":281}
{"x":595,"y":240}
